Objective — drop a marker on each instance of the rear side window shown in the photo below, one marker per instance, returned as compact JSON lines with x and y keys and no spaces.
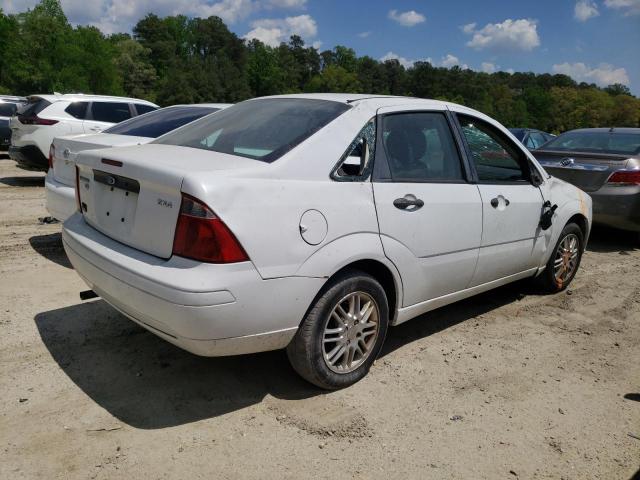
{"x":77,"y":110}
{"x":159,"y":122}
{"x":111,"y":112}
{"x":34,"y":107}
{"x":495,"y":157}
{"x":420,"y":147}
{"x":263,"y":129}
{"x":8,"y":109}
{"x":142,"y":108}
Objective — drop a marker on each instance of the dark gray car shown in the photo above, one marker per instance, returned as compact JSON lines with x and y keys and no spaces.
{"x":8,"y":107}
{"x":605,"y":163}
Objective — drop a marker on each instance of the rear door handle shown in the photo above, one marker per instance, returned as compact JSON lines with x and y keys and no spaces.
{"x":409,"y":200}
{"x":496,"y":201}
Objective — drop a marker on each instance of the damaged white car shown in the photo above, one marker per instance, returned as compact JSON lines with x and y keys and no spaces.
{"x":315,"y":222}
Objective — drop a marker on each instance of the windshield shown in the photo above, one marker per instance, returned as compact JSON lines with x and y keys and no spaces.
{"x":159,"y":122}
{"x":602,"y":142}
{"x":263,"y":129}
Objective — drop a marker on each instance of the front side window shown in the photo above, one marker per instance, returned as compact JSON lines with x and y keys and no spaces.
{"x":110,"y":112}
{"x":420,"y":147}
{"x":496,"y":158}
{"x":159,"y":122}
{"x":263,"y":129}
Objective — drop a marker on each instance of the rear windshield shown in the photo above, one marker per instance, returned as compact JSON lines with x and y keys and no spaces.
{"x":159,"y":122}
{"x":8,"y":109}
{"x":263,"y":129}
{"x":602,"y":142}
{"x":34,"y":107}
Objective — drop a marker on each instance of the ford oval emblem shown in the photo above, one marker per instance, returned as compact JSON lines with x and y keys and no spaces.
{"x":565,"y":162}
{"x":67,"y":153}
{"x":111,"y":181}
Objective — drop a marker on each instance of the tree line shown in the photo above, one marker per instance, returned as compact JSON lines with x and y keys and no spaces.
{"x":177,"y":59}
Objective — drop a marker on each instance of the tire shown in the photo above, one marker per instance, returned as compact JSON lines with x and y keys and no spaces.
{"x":318,"y":342}
{"x":548,"y":280}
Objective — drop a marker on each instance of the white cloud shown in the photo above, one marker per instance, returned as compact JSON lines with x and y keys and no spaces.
{"x":630,"y":7}
{"x":488,"y":67}
{"x":317,"y":44}
{"x":364,"y":34}
{"x":469,"y":28}
{"x":511,"y":34}
{"x":120,"y":15}
{"x":510,"y":71}
{"x":405,"y":62}
{"x":450,"y":61}
{"x":407,"y":19}
{"x":603,"y":75}
{"x":584,"y":10}
{"x":273,"y":31}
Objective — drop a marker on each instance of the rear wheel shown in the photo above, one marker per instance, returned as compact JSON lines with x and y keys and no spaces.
{"x":565,"y":260}
{"x":342,"y":333}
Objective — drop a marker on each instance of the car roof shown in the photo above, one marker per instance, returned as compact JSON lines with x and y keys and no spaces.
{"x":372,"y":101}
{"x":76,"y":97}
{"x":606,"y":130}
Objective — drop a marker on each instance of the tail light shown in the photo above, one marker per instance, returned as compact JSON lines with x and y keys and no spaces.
{"x":201,"y":235}
{"x":78,"y":202}
{"x":52,"y":152}
{"x":625,"y":177}
{"x":36,"y":120}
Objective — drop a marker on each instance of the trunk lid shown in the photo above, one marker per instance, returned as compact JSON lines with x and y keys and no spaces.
{"x":133,"y":194}
{"x":587,"y":171}
{"x":67,"y":149}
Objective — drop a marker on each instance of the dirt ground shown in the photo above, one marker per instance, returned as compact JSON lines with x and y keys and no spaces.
{"x":509,"y":384}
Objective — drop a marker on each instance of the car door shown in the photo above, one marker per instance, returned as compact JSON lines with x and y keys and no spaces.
{"x":512,"y":240}
{"x":104,"y":114}
{"x":429,"y":215}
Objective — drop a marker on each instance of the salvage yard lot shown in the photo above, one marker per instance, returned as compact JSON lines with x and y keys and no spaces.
{"x":510,"y":384}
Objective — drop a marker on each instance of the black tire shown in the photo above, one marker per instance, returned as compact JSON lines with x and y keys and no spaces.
{"x":305,"y":351}
{"x":547,"y":280}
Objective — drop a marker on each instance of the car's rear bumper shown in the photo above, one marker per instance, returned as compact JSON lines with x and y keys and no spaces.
{"x":617,"y":206}
{"x":61,"y":198}
{"x":29,"y":157}
{"x":207,"y":309}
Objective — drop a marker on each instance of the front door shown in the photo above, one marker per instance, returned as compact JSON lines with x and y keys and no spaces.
{"x":430,"y":217}
{"x":512,"y":241}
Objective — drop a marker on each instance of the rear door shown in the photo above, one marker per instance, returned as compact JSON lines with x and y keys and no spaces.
{"x":512,"y":241}
{"x":430,"y":216}
{"x":102,"y":115}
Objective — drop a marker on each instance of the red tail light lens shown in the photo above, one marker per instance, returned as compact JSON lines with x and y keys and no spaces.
{"x":36,"y":120}
{"x":52,"y":151}
{"x":201,"y":235}
{"x":625,"y":177}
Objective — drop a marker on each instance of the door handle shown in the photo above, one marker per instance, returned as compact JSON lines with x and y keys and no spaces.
{"x":409,"y":200}
{"x":496,"y":201}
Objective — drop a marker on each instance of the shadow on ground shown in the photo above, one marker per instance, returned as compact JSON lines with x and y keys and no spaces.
{"x":23,"y":181}
{"x":50,"y":247}
{"x":607,"y":240}
{"x":148,"y":383}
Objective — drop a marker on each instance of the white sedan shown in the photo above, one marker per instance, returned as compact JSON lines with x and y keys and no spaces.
{"x":315,"y":222}
{"x":61,"y":176}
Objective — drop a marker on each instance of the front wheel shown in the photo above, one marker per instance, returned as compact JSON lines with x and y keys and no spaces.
{"x":564,"y":261}
{"x":342,"y":333}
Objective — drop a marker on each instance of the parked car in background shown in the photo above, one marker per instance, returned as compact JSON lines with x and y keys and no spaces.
{"x":45,"y":117}
{"x":314,"y":222}
{"x":8,"y":108}
{"x":61,"y":177}
{"x":530,"y":137}
{"x":605,"y":162}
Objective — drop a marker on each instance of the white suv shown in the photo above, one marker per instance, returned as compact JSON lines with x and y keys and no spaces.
{"x":47,"y":116}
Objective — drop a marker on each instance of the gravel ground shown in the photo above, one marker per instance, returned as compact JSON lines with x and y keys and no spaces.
{"x":509,"y":384}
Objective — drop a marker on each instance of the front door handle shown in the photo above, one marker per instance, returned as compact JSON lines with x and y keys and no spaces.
{"x":409,"y":200}
{"x":495,"y":202}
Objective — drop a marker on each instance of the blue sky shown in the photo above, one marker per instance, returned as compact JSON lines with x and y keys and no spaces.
{"x":597,"y":41}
